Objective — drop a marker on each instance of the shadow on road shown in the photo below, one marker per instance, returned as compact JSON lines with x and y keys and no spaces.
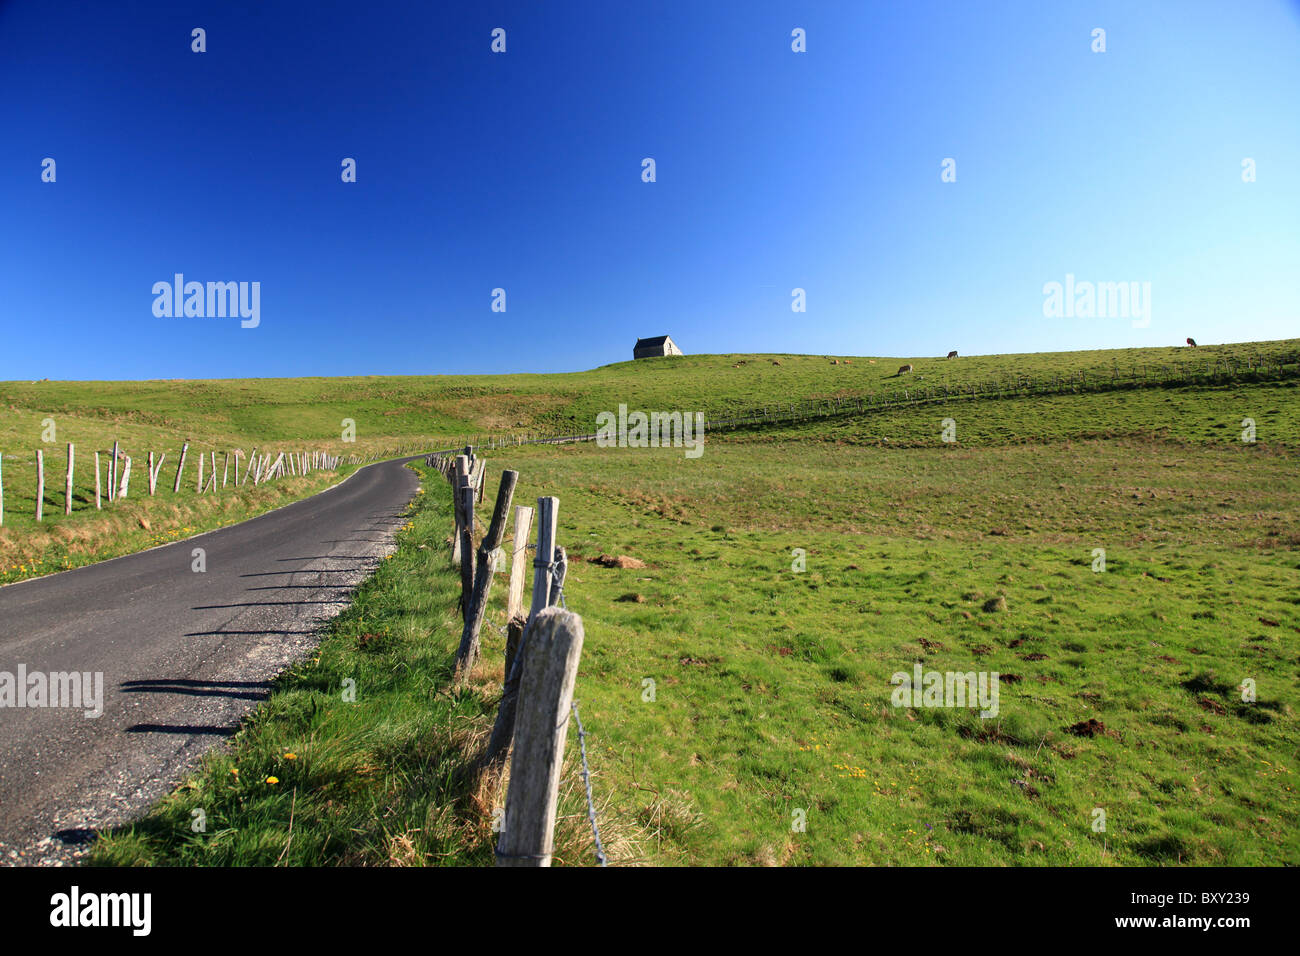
{"x":243,"y":690}
{"x":182,"y":729}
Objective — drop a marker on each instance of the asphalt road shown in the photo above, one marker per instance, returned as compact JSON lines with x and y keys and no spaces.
{"x":183,"y":654}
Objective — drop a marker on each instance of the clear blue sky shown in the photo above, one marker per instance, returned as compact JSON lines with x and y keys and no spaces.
{"x":522,"y":170}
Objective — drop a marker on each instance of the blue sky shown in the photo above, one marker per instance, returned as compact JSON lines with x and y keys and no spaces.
{"x":522,"y":171}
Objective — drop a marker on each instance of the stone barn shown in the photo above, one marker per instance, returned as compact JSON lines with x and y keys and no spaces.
{"x":659,"y":345}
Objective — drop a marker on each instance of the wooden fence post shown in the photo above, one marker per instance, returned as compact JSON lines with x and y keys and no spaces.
{"x":112,"y":475}
{"x":557,"y":576}
{"x":126,"y":478}
{"x":518,"y":570}
{"x":40,"y":482}
{"x":503,"y":730}
{"x":180,"y":466}
{"x":98,"y":497}
{"x":67,"y":485}
{"x":2,"y":490}
{"x":467,"y":654}
{"x":514,"y":634}
{"x":154,"y":471}
{"x":479,"y":477}
{"x":225,"y":468}
{"x":466,"y":494}
{"x":455,"y":477}
{"x":550,"y":669}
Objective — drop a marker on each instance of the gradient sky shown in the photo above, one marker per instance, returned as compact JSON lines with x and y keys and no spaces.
{"x":522,"y":170}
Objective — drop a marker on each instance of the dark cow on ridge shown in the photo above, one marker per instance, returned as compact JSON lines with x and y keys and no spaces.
{"x":901,"y":371}
{"x":1191,"y":341}
{"x":952,"y":354}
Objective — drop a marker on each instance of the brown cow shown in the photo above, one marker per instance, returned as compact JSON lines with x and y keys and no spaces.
{"x":905,"y":368}
{"x":952,"y":354}
{"x":1191,"y":342}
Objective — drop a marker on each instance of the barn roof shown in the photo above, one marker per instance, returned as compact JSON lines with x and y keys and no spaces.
{"x":651,"y":342}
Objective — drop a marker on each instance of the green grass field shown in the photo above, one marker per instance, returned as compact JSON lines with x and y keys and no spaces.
{"x":773,"y":686}
{"x":1120,"y":688}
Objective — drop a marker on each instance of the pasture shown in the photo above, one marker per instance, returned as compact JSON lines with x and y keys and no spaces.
{"x":772,"y":686}
{"x":737,"y":688}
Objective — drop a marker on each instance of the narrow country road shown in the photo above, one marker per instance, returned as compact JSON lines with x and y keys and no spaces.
{"x":183,"y":654}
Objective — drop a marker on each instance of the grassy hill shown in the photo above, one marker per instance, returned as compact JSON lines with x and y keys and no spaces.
{"x":1121,"y":684}
{"x":436,"y":411}
{"x":234,"y":412}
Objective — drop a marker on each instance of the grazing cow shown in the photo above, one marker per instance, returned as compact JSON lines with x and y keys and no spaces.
{"x":952,"y":354}
{"x":905,"y":368}
{"x":1191,"y":342}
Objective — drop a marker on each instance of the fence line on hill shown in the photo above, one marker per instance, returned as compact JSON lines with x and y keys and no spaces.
{"x":542,"y":649}
{"x":1258,"y":368}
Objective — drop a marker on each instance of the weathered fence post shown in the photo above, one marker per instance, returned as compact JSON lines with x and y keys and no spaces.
{"x":503,"y":730}
{"x":112,"y":475}
{"x":154,"y":471}
{"x":40,"y":482}
{"x":466,"y":493}
{"x":550,"y":669}
{"x":561,"y":571}
{"x":67,"y":485}
{"x":480,"y":477}
{"x":519,"y":557}
{"x":126,"y":478}
{"x":476,"y":602}
{"x":98,"y":497}
{"x":225,"y":469}
{"x":514,"y":634}
{"x":459,"y":469}
{"x":180,"y":466}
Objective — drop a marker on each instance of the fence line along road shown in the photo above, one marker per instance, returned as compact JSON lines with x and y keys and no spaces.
{"x":114,"y":481}
{"x":542,"y":651}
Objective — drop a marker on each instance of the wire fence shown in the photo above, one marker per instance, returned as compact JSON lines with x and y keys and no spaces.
{"x":1219,"y":371}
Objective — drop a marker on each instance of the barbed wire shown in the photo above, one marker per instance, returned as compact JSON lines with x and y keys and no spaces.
{"x":586,"y":779}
